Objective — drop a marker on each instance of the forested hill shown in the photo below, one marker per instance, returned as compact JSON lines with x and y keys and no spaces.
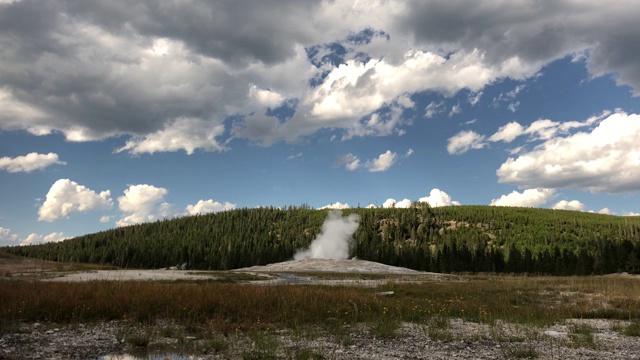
{"x":444,"y":239}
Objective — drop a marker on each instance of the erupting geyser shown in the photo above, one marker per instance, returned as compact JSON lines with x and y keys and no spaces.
{"x":334,"y":238}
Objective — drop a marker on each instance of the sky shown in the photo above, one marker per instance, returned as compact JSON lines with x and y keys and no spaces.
{"x":117,"y":112}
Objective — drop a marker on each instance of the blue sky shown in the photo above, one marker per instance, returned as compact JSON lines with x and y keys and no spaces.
{"x":114,"y":114}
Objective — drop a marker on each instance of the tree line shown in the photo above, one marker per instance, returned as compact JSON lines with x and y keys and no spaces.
{"x":444,"y":239}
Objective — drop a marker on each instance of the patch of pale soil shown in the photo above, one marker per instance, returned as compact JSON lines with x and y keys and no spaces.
{"x":288,"y":273}
{"x":333,"y":266}
{"x":132,"y":275}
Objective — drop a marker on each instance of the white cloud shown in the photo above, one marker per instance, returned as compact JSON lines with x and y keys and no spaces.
{"x":66,"y":196}
{"x":631,"y":213}
{"x":338,"y":206}
{"x":34,"y":238}
{"x":408,"y":153}
{"x":541,"y":129}
{"x":209,"y":206}
{"x":143,"y":203}
{"x":30,"y":162}
{"x":266,"y":98}
{"x":438,"y":198}
{"x":455,"y":109}
{"x":434,"y":108}
{"x":605,"y":211}
{"x":350,"y":162}
{"x":7,"y":238}
{"x":527,"y":198}
{"x":403,"y":204}
{"x":507,"y":133}
{"x":149,"y":76}
{"x":474,"y":97}
{"x":464,"y":141}
{"x":574,"y":205}
{"x":382,"y":162}
{"x":510,"y":98}
{"x":605,"y":159}
{"x":392,"y":203}
{"x":185,"y":134}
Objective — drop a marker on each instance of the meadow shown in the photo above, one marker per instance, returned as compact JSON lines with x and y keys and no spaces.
{"x":207,"y":309}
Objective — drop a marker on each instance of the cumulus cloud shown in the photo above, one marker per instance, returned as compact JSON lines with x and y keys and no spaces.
{"x":337,"y":206}
{"x":465,"y":141}
{"x":66,"y":196}
{"x":507,"y":133}
{"x":209,"y":206}
{"x":392,"y":203}
{"x":158,"y":63}
{"x":382,"y":162}
{"x":34,"y":238}
{"x":542,"y":129}
{"x":502,"y":31}
{"x":265,"y":97}
{"x":438,"y":198}
{"x":349,"y":161}
{"x":143,"y":203}
{"x":527,"y":198}
{"x":30,"y":162}
{"x":604,"y":159}
{"x":181,"y":134}
{"x":574,"y":205}
{"x":7,"y":238}
{"x":605,"y":211}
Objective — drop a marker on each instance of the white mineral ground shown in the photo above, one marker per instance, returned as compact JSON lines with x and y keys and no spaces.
{"x":305,"y":266}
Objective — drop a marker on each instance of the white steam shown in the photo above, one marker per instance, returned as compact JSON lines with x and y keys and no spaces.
{"x":334,"y":238}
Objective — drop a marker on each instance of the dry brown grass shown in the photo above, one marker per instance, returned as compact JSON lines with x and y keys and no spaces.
{"x":225,"y":307}
{"x":12,"y":266}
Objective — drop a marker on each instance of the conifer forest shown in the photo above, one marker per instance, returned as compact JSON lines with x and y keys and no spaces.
{"x":451,"y":239}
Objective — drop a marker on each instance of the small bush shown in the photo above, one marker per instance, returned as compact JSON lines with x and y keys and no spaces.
{"x":632,"y":330}
{"x":439,"y":329}
{"x":386,"y":328}
{"x":138,"y":340}
{"x":582,"y":336}
{"x":522,"y":351}
{"x":308,"y":354}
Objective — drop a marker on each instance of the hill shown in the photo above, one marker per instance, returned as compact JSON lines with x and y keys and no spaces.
{"x":444,"y":239}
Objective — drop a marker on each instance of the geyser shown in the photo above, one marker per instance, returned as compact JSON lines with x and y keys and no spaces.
{"x":334,"y":238}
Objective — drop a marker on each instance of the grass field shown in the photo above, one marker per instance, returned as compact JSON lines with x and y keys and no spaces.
{"x":535,"y":301}
{"x":223,"y":315}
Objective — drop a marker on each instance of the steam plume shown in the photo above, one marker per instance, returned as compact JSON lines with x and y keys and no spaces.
{"x":334,"y":238}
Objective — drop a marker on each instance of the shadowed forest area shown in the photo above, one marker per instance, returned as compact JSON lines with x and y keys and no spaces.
{"x":444,"y":239}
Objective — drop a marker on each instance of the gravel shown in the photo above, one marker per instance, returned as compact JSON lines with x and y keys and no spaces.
{"x":106,"y":341}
